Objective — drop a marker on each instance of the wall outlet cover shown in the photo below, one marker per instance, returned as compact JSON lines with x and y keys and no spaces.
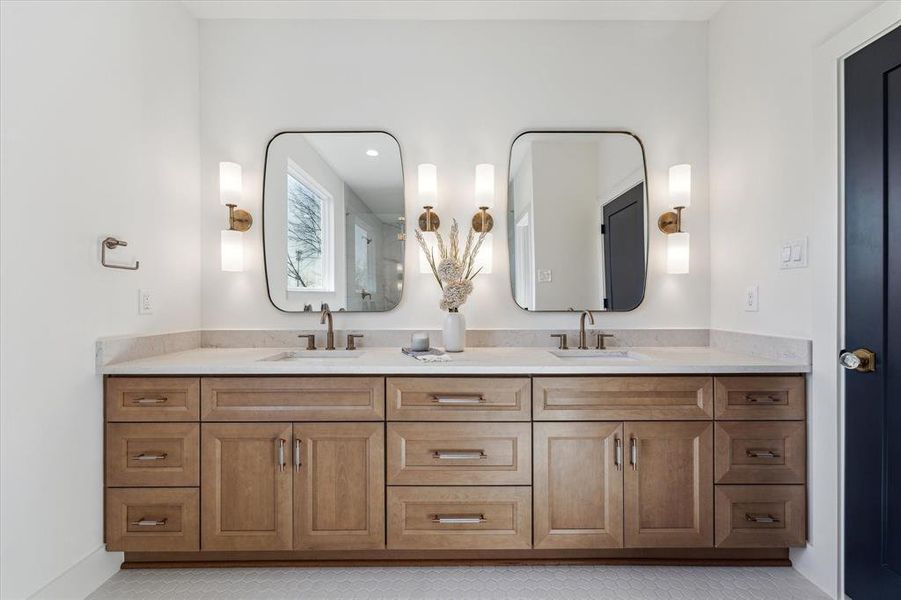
{"x":752,"y":299}
{"x":544,"y":276}
{"x":145,"y":302}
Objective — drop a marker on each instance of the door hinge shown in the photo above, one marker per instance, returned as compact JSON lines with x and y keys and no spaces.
{"x":606,"y":303}
{"x":603,"y":229}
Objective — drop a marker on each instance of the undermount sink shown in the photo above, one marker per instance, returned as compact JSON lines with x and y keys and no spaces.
{"x":617,"y":355}
{"x":320,"y":354}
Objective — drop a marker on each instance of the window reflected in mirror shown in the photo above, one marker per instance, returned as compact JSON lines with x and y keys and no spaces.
{"x":333,"y":210}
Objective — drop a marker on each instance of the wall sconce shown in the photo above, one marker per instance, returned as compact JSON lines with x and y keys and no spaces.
{"x":482,"y":221}
{"x":239,"y":221}
{"x":678,"y":242}
{"x":427,"y":180}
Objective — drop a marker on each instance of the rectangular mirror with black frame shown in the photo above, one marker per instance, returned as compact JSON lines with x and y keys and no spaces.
{"x":577,"y":220}
{"x":333,"y":221}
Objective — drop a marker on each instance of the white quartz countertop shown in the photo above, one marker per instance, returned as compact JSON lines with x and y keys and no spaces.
{"x":474,"y":361}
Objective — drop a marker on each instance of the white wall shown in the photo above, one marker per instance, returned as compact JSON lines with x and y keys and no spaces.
{"x":99,"y":136}
{"x":454,"y":93}
{"x":762,"y":168}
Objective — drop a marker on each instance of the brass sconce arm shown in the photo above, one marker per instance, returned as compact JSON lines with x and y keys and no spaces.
{"x":671,"y":221}
{"x":238,"y":220}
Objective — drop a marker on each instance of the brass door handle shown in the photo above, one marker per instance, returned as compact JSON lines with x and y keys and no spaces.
{"x":297,"y":454}
{"x":281,"y":454}
{"x":633,"y":453}
{"x":618,"y":454}
{"x":862,"y":360}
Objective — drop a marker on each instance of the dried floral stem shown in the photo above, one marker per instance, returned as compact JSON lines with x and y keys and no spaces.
{"x":453,"y":271}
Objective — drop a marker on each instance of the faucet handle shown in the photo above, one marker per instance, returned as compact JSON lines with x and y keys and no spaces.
{"x":601,"y":336}
{"x":351,"y":340}
{"x":562,"y":345}
{"x":311,"y":340}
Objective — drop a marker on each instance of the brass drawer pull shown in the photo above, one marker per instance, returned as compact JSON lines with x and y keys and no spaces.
{"x":149,"y":522}
{"x":459,"y":519}
{"x":755,"y":518}
{"x":754,"y":453}
{"x":459,"y":454}
{"x":762,"y":399}
{"x":474,"y":399}
{"x":161,"y":400}
{"x":146,"y":456}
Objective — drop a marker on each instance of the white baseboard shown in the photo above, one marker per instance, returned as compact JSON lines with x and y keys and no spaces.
{"x":83,"y":578}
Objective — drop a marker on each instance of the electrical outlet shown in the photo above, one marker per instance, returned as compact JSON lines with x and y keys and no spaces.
{"x":751,"y":298}
{"x":145,"y":302}
{"x":544,"y":276}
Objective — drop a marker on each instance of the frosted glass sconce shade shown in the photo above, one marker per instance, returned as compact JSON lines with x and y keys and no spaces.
{"x":232,"y":250}
{"x":677,"y":253}
{"x":680,"y":185}
{"x":427,"y":180}
{"x":229,"y":183}
{"x":486,"y":255}
{"x":485,"y":186}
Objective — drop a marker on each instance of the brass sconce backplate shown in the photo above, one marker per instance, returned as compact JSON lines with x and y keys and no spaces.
{"x":239,"y":220}
{"x":482,"y":221}
{"x":429,"y":221}
{"x":668,"y":222}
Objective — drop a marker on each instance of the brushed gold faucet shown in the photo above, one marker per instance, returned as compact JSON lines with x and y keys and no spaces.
{"x":583,"y":343}
{"x":330,"y":334}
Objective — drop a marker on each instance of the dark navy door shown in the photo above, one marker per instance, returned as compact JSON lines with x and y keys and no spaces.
{"x":873,"y":320}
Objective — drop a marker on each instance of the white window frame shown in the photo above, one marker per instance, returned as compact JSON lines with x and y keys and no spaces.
{"x":328,"y":236}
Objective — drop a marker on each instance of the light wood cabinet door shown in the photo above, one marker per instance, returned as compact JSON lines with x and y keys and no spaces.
{"x":339,"y":486}
{"x":246,"y":482}
{"x":668,"y":489}
{"x":578,"y":485}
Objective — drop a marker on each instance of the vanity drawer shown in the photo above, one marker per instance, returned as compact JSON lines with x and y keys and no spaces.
{"x":459,"y":454}
{"x":760,"y":452}
{"x":152,"y":399}
{"x":762,"y":398}
{"x":344,"y":398}
{"x":152,"y":519}
{"x":459,"y":399}
{"x":622,"y":398}
{"x":466,"y":518}
{"x":152,"y":454}
{"x":760,"y":516}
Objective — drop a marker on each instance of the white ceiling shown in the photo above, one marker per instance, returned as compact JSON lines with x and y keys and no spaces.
{"x":559,"y":10}
{"x":378,"y":181}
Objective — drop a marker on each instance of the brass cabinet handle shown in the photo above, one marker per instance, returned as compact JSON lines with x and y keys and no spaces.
{"x":144,"y":522}
{"x":762,"y":399}
{"x":473,"y":519}
{"x":147,"y":456}
{"x":459,"y":454}
{"x":755,"y":453}
{"x":618,"y":454}
{"x":281,"y":454}
{"x":474,"y":399}
{"x":633,"y":453}
{"x":160,"y":400}
{"x":296,"y":454}
{"x":759,"y":518}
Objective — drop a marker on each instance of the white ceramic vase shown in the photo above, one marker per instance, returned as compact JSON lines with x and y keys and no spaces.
{"x":454,"y":332}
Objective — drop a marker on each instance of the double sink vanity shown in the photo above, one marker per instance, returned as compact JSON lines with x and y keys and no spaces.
{"x":236,"y":455}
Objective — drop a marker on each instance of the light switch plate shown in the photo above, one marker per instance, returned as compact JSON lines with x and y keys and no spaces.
{"x":145,"y":302}
{"x":752,"y":299}
{"x":793,"y":254}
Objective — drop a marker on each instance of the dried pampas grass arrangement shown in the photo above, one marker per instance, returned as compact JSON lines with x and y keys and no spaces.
{"x":453,"y":269}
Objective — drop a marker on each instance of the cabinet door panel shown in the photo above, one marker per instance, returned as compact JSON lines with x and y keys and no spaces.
{"x":669,"y":484}
{"x":578,"y":486}
{"x":245,"y":490}
{"x":339,"y":486}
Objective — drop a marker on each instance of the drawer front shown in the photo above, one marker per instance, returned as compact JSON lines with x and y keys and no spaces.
{"x":622,"y":398}
{"x":459,"y":454}
{"x":293,"y":398}
{"x":459,"y":399}
{"x":466,"y":518}
{"x":760,"y":398}
{"x":760,"y":516}
{"x":152,"y":519}
{"x":760,"y":452}
{"x":152,"y":399}
{"x":153,"y":454}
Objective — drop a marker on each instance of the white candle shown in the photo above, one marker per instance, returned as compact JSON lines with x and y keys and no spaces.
{"x":419,"y":341}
